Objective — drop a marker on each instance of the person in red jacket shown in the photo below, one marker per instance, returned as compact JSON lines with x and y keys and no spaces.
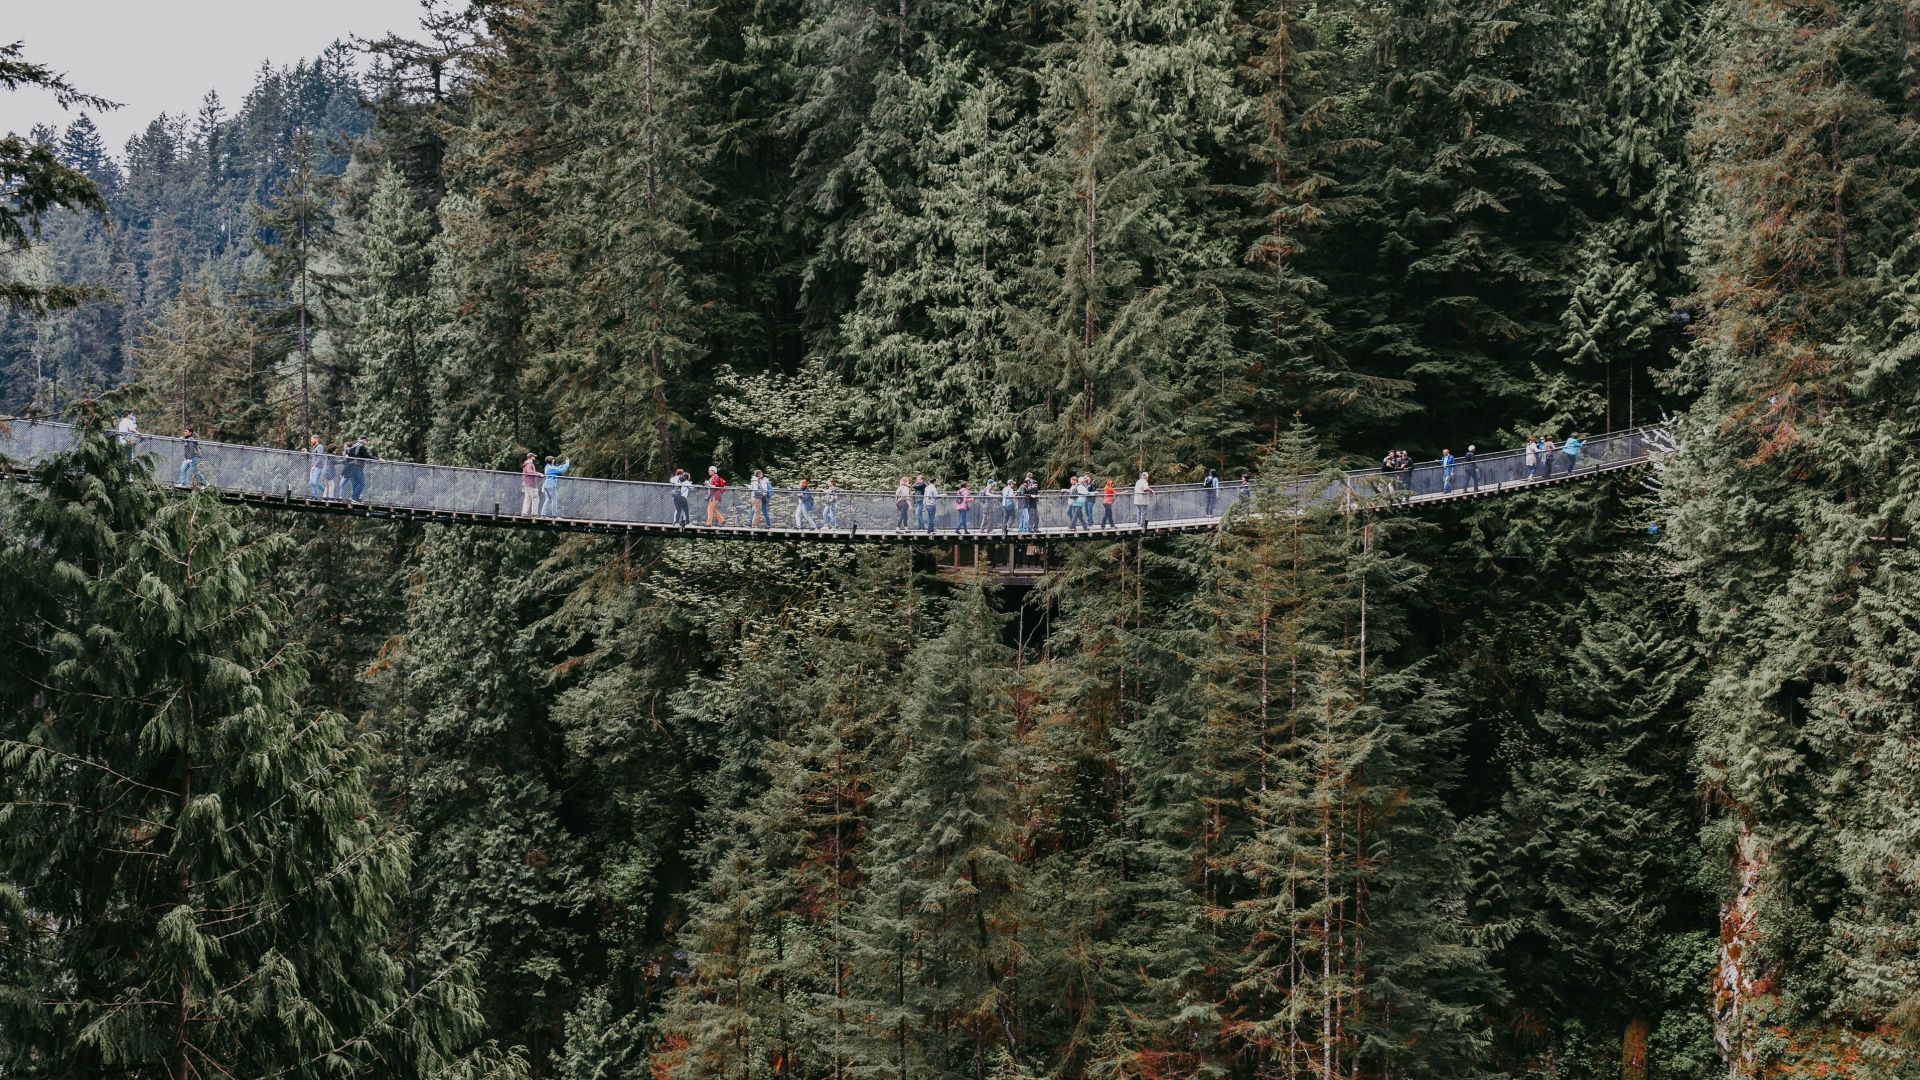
{"x":716,"y":487}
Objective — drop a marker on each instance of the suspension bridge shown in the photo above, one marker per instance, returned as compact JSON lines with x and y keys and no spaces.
{"x":284,"y":480}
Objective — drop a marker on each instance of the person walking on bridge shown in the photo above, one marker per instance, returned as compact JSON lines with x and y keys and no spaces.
{"x":930,"y":504}
{"x":354,"y":472}
{"x":1575,"y":443}
{"x":1106,"y":503}
{"x":1473,"y":469}
{"x":1547,"y":449}
{"x":189,"y":458}
{"x":903,"y":497}
{"x":988,"y":496}
{"x":760,"y":489}
{"x":716,"y":489}
{"x":1211,"y":485}
{"x":1142,"y":501}
{"x":830,"y":505}
{"x":1079,"y":512}
{"x":1029,"y":503}
{"x":550,"y":487}
{"x":682,"y":498}
{"x":316,"y":467}
{"x":530,"y":485}
{"x":1446,"y":471}
{"x":336,"y":465}
{"x":803,"y":507}
{"x":1533,"y":457}
{"x":962,"y":504}
{"x":1007,"y":492}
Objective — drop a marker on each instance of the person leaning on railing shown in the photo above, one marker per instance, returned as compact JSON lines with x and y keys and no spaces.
{"x":1142,"y":501}
{"x":129,"y":431}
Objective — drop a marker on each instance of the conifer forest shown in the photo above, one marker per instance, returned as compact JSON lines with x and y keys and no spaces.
{"x":1611,"y":779}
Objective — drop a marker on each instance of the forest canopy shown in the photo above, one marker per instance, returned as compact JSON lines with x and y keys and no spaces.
{"x":1606,"y":779}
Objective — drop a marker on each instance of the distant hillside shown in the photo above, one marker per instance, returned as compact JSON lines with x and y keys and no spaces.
{"x":185,"y":196}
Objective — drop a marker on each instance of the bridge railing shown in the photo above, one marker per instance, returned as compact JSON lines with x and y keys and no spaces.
{"x":1506,"y":468}
{"x":413,"y":486}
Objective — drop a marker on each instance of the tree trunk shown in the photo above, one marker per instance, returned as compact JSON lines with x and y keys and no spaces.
{"x":1633,"y":1050}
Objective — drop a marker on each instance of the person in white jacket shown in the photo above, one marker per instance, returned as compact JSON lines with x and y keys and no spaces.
{"x":129,"y":429}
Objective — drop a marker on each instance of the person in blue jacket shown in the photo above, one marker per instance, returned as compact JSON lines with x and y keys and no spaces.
{"x":550,"y":487}
{"x":1575,"y":443}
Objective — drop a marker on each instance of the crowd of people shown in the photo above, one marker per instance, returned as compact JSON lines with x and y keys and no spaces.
{"x":339,"y":471}
{"x":919,"y":503}
{"x":1538,"y":453}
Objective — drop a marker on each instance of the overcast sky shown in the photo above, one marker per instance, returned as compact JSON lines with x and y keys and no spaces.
{"x":156,"y":56}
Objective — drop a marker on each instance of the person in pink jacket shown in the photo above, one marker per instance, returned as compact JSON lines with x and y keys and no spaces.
{"x":529,"y":486}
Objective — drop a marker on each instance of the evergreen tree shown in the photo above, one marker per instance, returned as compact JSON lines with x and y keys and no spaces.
{"x":391,"y":320}
{"x":193,"y":878}
{"x":82,"y":148}
{"x":1633,"y":80}
{"x":1446,"y":277}
{"x":623,"y":316}
{"x":936,"y":930}
{"x":293,"y":227}
{"x":1780,"y":511}
{"x":1349,"y":949}
{"x":771,"y":937}
{"x":479,"y":773}
{"x":1594,"y":846}
{"x":1295,"y":90}
{"x":200,"y":365}
{"x":39,"y":182}
{"x":1126,"y":331}
{"x":928,"y":328}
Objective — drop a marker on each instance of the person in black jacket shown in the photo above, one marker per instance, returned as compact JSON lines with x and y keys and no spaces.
{"x":355,"y":470}
{"x":189,"y":458}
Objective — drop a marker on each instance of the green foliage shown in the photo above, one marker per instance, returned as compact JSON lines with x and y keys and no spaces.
{"x":36,"y":181}
{"x":178,"y":201}
{"x":1339,"y":883}
{"x":1329,"y":792}
{"x":621,"y":321}
{"x":194,"y":875}
{"x":392,"y":323}
{"x":935,"y":930}
{"x":1793,"y":502}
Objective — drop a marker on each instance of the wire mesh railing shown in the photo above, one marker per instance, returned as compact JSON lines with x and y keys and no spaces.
{"x":322,"y":479}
